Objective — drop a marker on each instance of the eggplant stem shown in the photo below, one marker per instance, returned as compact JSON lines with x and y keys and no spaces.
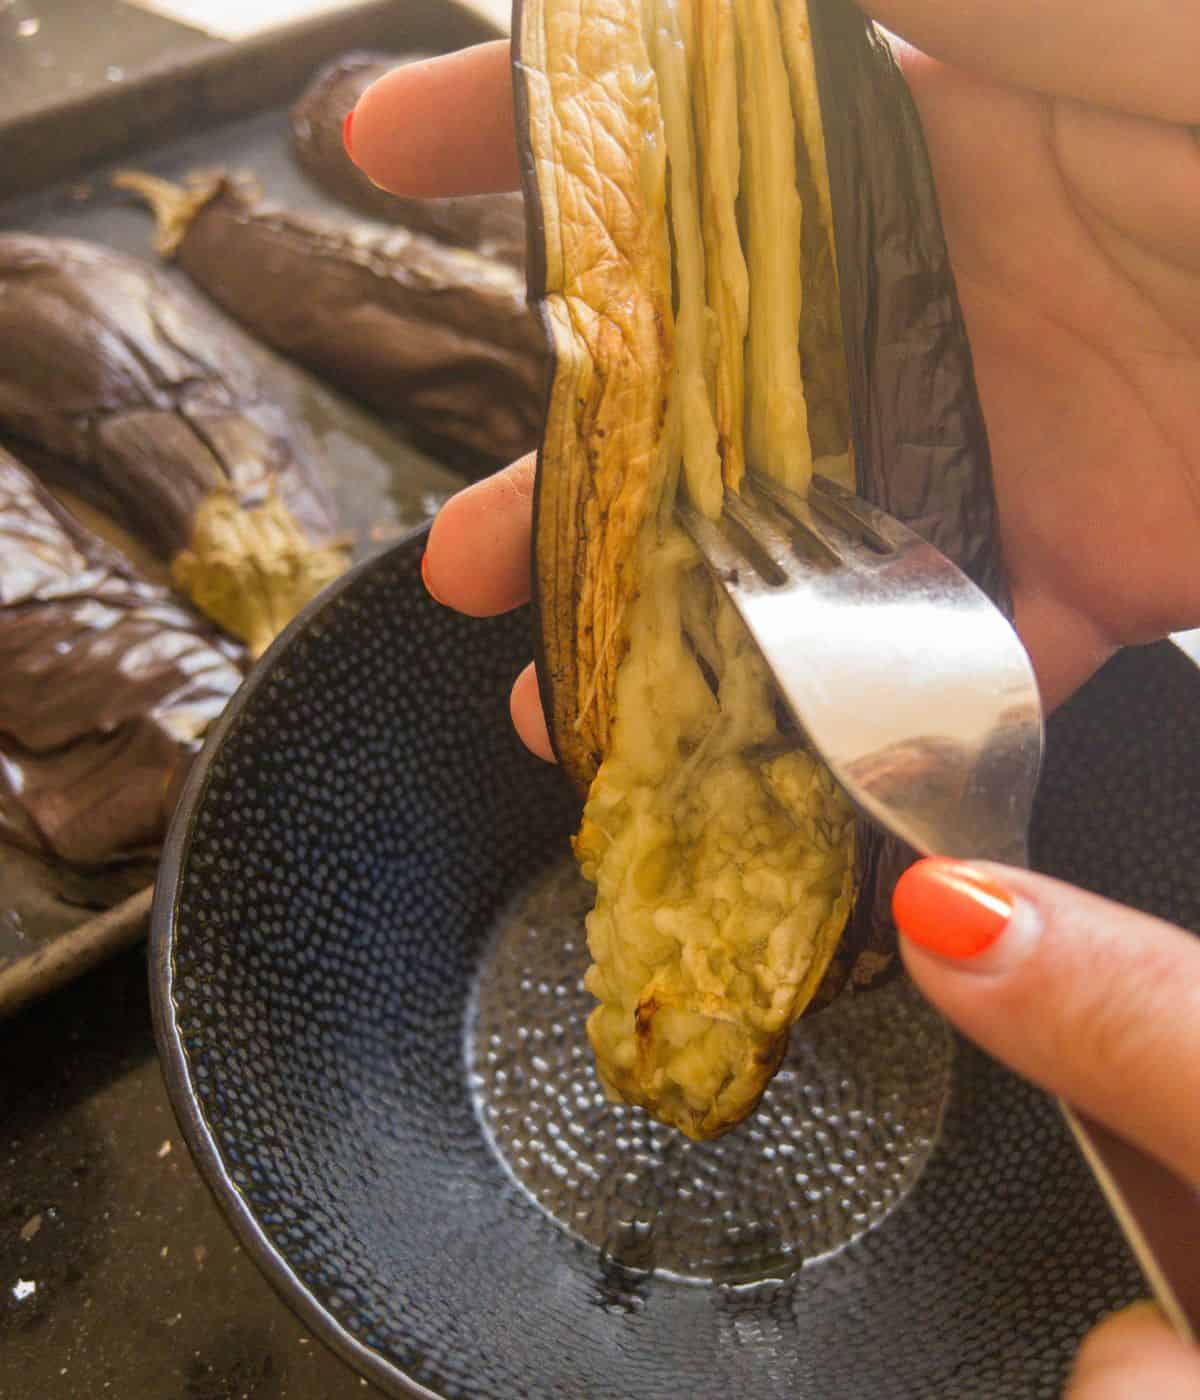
{"x":173,"y":206}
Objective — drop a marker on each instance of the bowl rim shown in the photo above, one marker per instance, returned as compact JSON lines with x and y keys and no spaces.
{"x":173,"y":1057}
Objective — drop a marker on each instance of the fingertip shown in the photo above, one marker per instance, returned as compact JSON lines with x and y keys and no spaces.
{"x":477,"y":559}
{"x":961,"y":924}
{"x":1135,"y":1352}
{"x":528,"y":717}
{"x":428,"y":582}
{"x":440,"y":126}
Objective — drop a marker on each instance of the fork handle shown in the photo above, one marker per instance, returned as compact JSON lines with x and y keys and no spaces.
{"x":1158,"y":1212}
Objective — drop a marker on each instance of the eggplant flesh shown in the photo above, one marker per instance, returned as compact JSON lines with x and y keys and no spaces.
{"x":124,"y":389}
{"x":492,"y":224}
{"x":437,"y":339}
{"x":696,"y":255}
{"x":109,"y":685}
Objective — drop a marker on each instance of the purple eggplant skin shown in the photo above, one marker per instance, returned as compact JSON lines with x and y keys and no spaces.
{"x":128,"y":390}
{"x":440,"y":341}
{"x":493,"y":224}
{"x":109,"y":684}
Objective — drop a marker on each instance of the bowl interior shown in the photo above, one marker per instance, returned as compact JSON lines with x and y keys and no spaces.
{"x":367,"y":949}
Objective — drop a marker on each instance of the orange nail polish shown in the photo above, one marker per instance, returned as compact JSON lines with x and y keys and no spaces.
{"x":346,"y":125}
{"x":425,"y":580}
{"x":950,"y":908}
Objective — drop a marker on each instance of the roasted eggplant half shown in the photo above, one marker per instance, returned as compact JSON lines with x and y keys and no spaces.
{"x":109,"y":685}
{"x":739,"y":265}
{"x":436,"y":339}
{"x":493,"y":224}
{"x":127,"y":391}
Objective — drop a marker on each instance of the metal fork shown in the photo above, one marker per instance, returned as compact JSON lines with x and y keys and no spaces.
{"x":917,"y":693}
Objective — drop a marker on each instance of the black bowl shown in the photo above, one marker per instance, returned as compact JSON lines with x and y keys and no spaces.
{"x":366,"y":962}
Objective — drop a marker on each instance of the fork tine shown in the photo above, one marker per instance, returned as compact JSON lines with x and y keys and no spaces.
{"x":882,"y":531}
{"x":709,"y":538}
{"x":824,"y":535}
{"x":765,"y":527}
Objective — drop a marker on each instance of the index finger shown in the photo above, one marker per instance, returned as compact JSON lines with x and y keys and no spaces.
{"x":441,"y":126}
{"x":1096,"y":1002}
{"x":478,"y":557}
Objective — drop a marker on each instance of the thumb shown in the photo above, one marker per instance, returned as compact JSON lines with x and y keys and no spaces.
{"x":1133,"y":1353}
{"x":1095,"y":1002}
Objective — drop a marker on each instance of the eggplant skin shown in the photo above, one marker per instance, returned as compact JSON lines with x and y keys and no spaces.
{"x":109,"y":685}
{"x":603,"y":288}
{"x":128,"y":391}
{"x":920,"y":441}
{"x":492,"y":224}
{"x":438,"y":340}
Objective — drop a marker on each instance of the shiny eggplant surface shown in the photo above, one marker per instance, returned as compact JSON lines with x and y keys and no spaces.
{"x":439,"y":340}
{"x":128,"y":391}
{"x":109,"y":685}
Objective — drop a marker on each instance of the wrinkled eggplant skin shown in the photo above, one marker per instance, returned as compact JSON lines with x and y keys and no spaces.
{"x":918,"y":432}
{"x":490,"y":223}
{"x":920,"y":441}
{"x":108,"y":685}
{"x":439,"y":341}
{"x":128,"y":390}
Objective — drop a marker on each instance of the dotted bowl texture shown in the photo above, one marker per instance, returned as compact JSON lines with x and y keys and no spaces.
{"x":351,"y":839}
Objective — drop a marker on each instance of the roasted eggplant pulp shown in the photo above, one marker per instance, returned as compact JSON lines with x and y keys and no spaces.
{"x":438,"y":340}
{"x":127,"y":391}
{"x":493,"y":224}
{"x":693,"y":341}
{"x":109,"y":685}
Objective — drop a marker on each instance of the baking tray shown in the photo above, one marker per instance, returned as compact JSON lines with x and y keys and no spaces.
{"x":197,"y":103}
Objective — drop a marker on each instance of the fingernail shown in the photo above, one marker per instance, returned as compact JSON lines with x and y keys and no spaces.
{"x":346,"y":125}
{"x":429,"y":588}
{"x":951,"y":909}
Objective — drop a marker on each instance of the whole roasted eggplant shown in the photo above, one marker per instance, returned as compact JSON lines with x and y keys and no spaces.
{"x":126,"y":390}
{"x":437,"y":339}
{"x":493,"y":224}
{"x":109,"y":685}
{"x":740,"y":266}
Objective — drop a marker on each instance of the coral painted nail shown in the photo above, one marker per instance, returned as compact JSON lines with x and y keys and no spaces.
{"x":951,"y":908}
{"x":425,"y":580}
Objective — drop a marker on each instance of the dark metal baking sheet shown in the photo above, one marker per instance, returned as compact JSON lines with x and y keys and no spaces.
{"x":198,"y":104}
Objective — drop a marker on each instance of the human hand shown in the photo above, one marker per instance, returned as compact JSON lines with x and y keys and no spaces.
{"x":1096,"y":1003}
{"x":1070,"y":189}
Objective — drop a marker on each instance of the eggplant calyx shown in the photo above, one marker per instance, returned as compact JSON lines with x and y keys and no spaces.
{"x":174,"y":206}
{"x":251,"y":568}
